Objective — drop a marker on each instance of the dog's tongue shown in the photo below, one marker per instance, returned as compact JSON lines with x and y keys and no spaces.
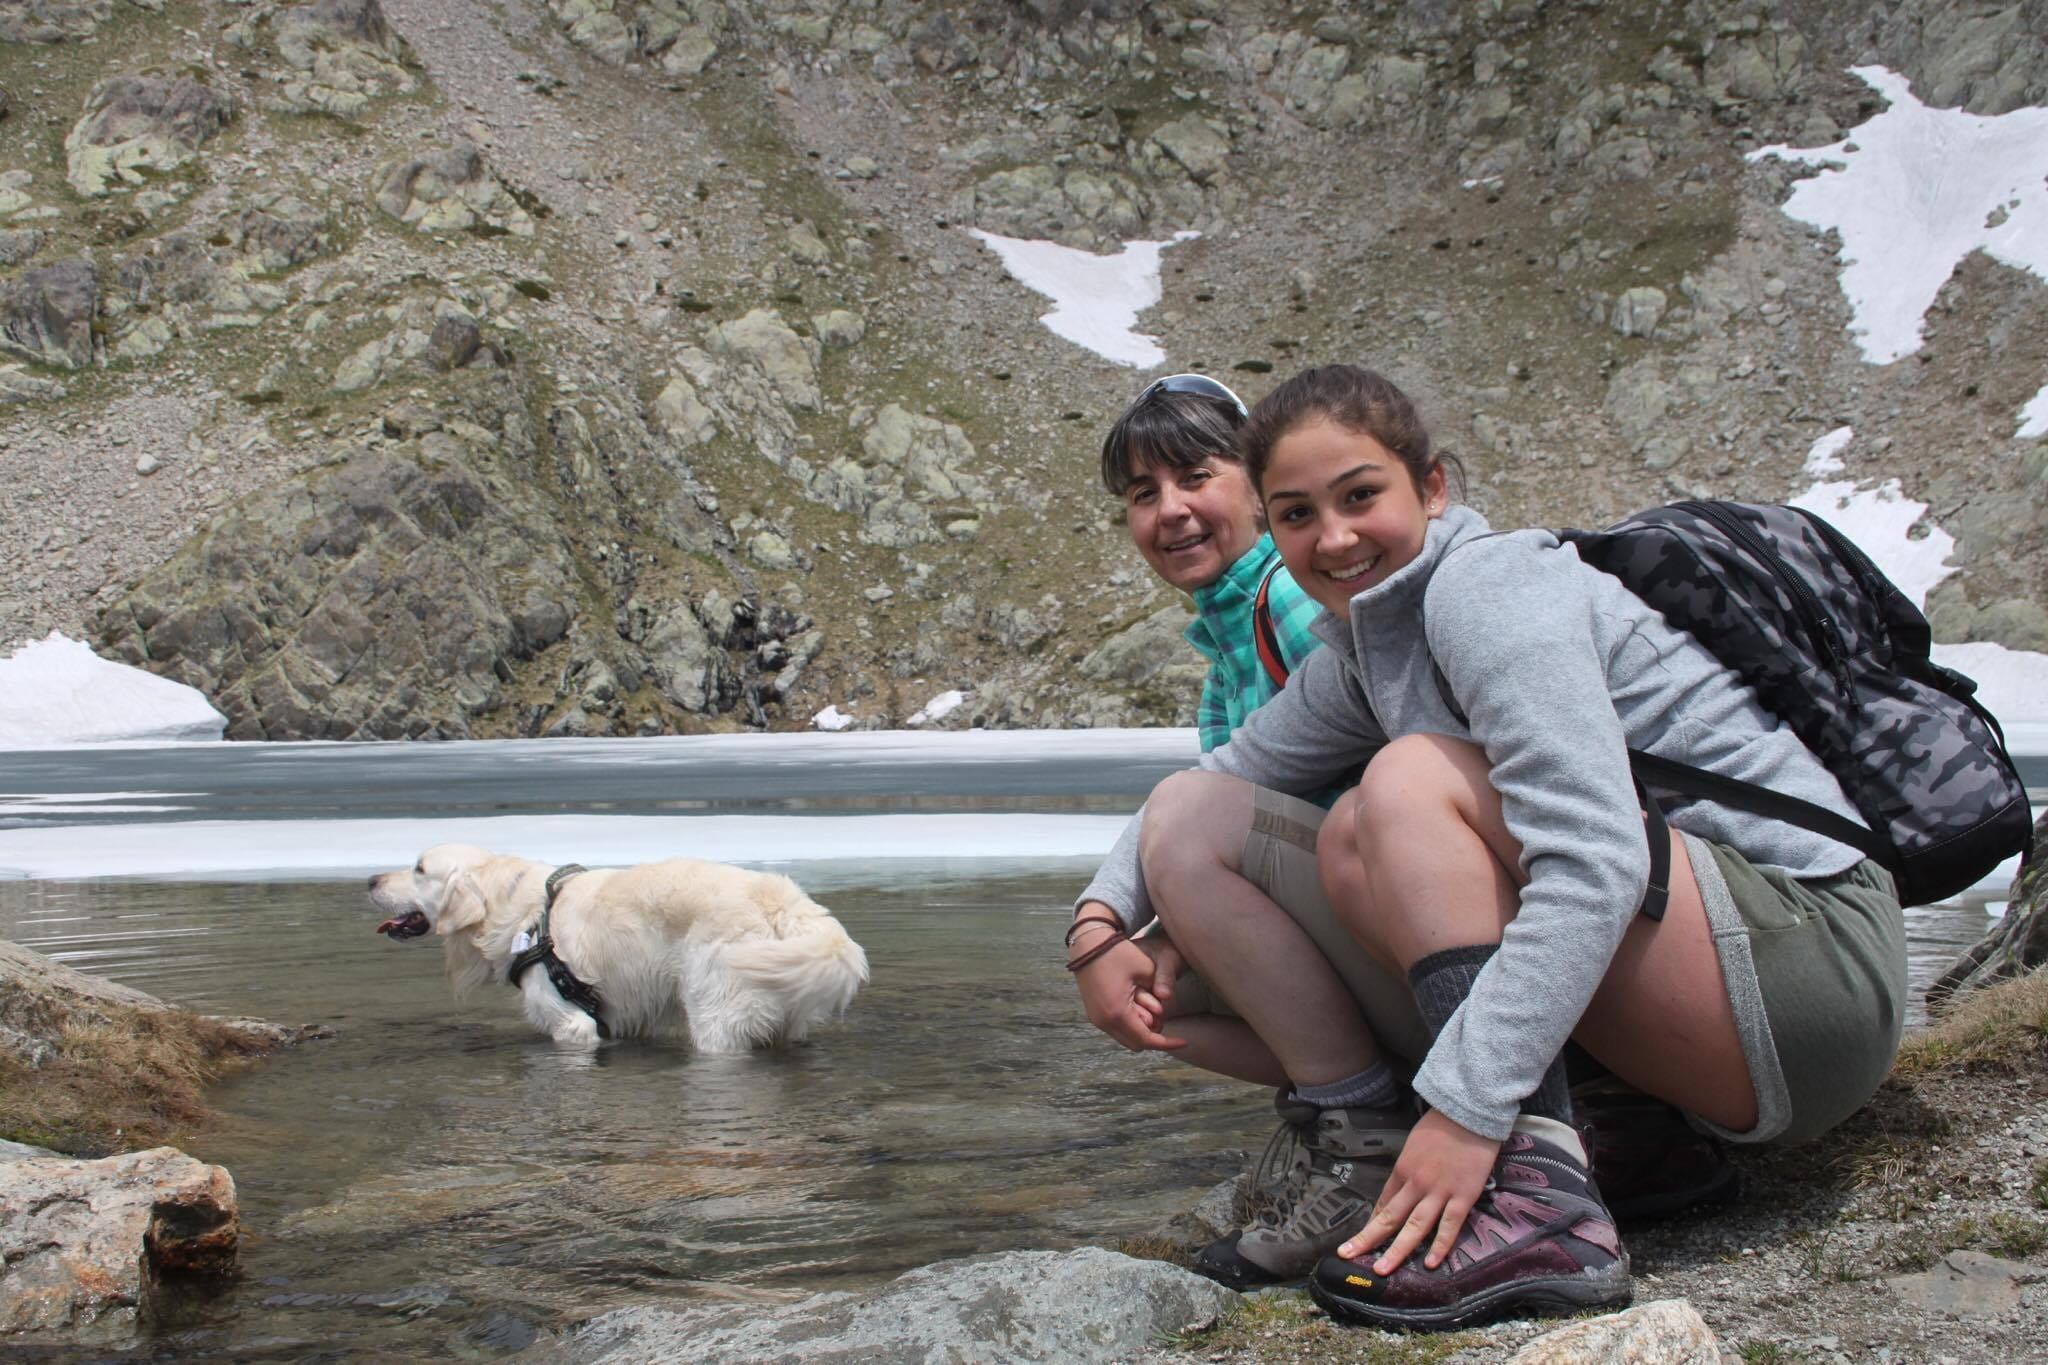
{"x":411,"y":924}
{"x":388,"y":925}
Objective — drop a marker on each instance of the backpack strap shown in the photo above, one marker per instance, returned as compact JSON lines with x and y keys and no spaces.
{"x":1264,"y":635}
{"x":1670,"y":775}
{"x":1686,"y":780}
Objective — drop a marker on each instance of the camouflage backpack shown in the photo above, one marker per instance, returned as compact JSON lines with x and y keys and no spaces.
{"x":1839,"y":655}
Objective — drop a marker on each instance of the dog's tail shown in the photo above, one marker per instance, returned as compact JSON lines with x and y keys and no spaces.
{"x":814,"y":972}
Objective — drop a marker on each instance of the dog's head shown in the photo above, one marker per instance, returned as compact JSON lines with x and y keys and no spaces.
{"x":469,"y":896}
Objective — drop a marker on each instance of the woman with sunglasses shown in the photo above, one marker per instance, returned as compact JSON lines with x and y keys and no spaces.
{"x":1287,"y":1003}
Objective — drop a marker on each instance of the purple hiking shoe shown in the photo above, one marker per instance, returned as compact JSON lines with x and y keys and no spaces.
{"x":1538,"y":1243}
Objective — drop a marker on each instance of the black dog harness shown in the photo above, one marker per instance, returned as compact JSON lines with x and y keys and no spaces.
{"x":567,"y":984}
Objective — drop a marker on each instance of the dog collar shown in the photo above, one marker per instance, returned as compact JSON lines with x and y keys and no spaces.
{"x":567,"y":984}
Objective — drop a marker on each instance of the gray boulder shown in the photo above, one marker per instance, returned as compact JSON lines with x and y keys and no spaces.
{"x":52,"y":21}
{"x":451,"y":191}
{"x":20,"y":244}
{"x":136,"y":123}
{"x":342,"y":53}
{"x":46,"y":314}
{"x":380,"y":597}
{"x":1667,"y":1332}
{"x":86,"y":1244}
{"x":1015,"y":1306}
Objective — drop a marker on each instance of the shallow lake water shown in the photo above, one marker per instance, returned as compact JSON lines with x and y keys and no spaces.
{"x":437,"y":1180}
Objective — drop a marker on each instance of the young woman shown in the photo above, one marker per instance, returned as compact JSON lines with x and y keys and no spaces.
{"x":1280,"y":993}
{"x":1495,"y":853}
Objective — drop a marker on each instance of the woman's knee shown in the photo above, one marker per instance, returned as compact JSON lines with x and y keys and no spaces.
{"x":1194,"y":821}
{"x":1418,"y":778}
{"x":1340,"y":856}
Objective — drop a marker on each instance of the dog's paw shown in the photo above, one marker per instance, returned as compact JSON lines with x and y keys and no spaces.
{"x":579,"y":1032}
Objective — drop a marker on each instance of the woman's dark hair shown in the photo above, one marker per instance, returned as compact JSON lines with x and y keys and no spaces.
{"x":1172,"y":429}
{"x":1355,"y":398}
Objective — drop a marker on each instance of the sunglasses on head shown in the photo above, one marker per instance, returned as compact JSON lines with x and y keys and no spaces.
{"x":1199,"y":384}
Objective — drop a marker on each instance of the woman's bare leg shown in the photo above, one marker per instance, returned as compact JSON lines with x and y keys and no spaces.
{"x":1427,"y":863}
{"x":1249,"y":950}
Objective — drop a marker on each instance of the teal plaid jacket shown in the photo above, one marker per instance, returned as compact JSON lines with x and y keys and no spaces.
{"x":1223,"y":634}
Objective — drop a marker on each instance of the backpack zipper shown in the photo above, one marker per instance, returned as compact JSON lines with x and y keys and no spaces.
{"x":1821,"y":630}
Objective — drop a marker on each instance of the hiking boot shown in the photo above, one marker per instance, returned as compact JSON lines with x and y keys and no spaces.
{"x":1650,"y":1163}
{"x":1316,"y":1186}
{"x":1539,"y":1242}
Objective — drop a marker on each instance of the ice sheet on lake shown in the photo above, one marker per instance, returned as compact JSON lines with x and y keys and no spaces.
{"x":57,"y":691}
{"x":229,"y":850}
{"x":1096,"y":299}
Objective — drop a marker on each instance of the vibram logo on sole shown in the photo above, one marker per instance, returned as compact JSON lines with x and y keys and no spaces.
{"x":1361,"y":1283}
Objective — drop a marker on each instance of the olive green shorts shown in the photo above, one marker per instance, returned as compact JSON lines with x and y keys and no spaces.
{"x":1279,"y":857}
{"x":1816,"y":972}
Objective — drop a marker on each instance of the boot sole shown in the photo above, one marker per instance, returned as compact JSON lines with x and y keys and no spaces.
{"x":1604,"y":1290}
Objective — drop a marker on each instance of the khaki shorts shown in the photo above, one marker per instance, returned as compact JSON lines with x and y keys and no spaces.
{"x":1816,"y":972}
{"x":1280,"y":859}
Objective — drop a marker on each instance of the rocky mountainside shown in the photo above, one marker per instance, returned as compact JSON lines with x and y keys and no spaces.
{"x":431,"y":368}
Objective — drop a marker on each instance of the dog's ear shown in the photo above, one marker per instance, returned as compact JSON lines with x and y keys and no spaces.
{"x":462,"y":904}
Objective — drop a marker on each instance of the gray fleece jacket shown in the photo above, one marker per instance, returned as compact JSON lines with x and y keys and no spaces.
{"x":1559,"y":670}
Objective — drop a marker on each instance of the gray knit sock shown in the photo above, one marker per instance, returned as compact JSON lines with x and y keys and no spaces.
{"x":1441,"y":982}
{"x":1376,"y":1087}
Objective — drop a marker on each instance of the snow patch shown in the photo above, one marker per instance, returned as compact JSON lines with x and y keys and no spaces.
{"x":2034,"y":417}
{"x":937,"y":708}
{"x":1825,"y":456}
{"x":831,"y":718}
{"x":56,"y":691}
{"x":1880,"y":521}
{"x":1096,"y":299}
{"x":1912,"y":192}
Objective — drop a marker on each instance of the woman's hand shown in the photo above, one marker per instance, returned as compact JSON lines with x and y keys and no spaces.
{"x":1126,"y":989}
{"x":1441,"y":1172}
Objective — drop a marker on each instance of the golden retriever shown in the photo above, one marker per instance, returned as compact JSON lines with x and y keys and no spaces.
{"x":746,"y":958}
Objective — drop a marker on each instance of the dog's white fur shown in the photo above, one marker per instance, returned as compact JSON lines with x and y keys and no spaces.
{"x":746,"y":958}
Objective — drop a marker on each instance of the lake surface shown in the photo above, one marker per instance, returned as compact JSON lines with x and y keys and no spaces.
{"x":437,"y":1180}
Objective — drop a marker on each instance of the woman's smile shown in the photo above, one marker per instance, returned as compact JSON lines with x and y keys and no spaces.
{"x":1344,"y":511}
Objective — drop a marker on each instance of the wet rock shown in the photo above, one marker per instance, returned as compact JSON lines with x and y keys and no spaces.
{"x":87,"y":1244}
{"x":1668,"y":1332}
{"x":451,"y":191}
{"x":46,"y":314}
{"x":136,"y":123}
{"x":1018,"y":1306}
